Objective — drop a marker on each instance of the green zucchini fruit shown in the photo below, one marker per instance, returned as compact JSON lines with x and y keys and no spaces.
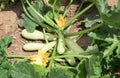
{"x":37,"y":35}
{"x":48,"y":46}
{"x":60,"y":47}
{"x":36,"y":46}
{"x":32,"y":46}
{"x":70,"y":60}
{"x":73,"y":46}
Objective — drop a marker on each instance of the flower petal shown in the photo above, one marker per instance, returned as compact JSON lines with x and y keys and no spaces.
{"x":40,"y":59}
{"x":60,"y":22}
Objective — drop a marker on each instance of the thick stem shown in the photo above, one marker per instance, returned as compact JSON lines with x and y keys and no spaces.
{"x":67,"y":8}
{"x":77,"y":15}
{"x":73,"y":55}
{"x":84,"y":31}
{"x":52,"y":60}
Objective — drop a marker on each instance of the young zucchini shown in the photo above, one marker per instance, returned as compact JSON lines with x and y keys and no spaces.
{"x":70,"y":60}
{"x":61,"y":46}
{"x":37,"y":35}
{"x":33,"y":46}
{"x":48,"y":46}
{"x":73,"y":46}
{"x":36,"y":46}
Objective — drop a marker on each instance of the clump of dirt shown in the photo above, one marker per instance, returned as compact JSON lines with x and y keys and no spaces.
{"x":8,"y":22}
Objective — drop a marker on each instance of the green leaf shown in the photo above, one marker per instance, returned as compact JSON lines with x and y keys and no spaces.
{"x":91,"y":19}
{"x":102,"y":33}
{"x":31,"y":19}
{"x":93,"y":67}
{"x":5,"y":66}
{"x":92,"y":64}
{"x":24,"y":70}
{"x":108,"y":76}
{"x":59,"y":73}
{"x":38,"y":6}
{"x":5,"y":69}
{"x":94,"y":36}
{"x":28,"y":24}
{"x":34,"y":15}
{"x":4,"y":42}
{"x":118,"y":49}
{"x":81,"y":70}
{"x":110,"y":49}
{"x":3,"y":73}
{"x":109,"y":14}
{"x":90,"y":22}
{"x":40,"y":69}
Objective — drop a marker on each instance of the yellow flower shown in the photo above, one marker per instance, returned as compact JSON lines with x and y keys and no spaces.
{"x":60,"y":22}
{"x":40,"y":59}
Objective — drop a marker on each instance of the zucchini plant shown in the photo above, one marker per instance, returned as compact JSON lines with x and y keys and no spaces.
{"x":58,"y":55}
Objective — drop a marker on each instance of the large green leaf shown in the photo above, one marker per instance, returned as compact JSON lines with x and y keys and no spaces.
{"x":5,"y":69}
{"x":110,"y":49}
{"x":59,"y":73}
{"x":40,"y":69}
{"x":102,"y":33}
{"x":93,"y":67}
{"x":3,"y":73}
{"x":109,"y":14}
{"x":24,"y":70}
{"x":40,"y":8}
{"x":30,"y":20}
{"x":92,"y":64}
{"x":28,"y":24}
{"x":4,"y":42}
{"x":91,"y":19}
{"x":5,"y":66}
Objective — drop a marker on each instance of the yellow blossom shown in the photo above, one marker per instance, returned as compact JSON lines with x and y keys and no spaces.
{"x":60,"y":22}
{"x":40,"y":59}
